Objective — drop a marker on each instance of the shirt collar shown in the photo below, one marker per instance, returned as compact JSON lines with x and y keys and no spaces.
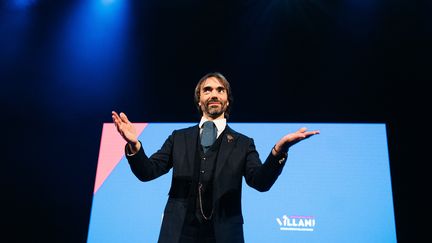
{"x":219,"y":123}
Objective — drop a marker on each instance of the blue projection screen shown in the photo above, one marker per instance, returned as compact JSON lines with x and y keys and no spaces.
{"x":335,"y":187}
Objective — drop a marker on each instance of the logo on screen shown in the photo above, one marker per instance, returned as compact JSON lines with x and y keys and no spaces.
{"x":296,"y":223}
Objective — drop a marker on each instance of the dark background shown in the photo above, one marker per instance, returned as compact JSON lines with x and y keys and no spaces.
{"x":65,"y":65}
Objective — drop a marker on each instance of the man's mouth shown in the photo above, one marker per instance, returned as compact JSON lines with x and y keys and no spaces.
{"x":213,"y":103}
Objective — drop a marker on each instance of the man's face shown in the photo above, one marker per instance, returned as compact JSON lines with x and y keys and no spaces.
{"x":213,"y":98}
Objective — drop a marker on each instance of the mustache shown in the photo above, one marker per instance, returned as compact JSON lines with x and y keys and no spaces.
{"x":213,"y":100}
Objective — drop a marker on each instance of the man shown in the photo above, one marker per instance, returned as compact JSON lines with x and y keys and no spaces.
{"x":208,"y":161}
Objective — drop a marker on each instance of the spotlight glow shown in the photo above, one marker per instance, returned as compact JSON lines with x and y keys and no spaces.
{"x":107,"y":2}
{"x":22,"y":3}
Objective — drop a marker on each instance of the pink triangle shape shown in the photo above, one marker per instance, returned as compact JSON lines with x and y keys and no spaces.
{"x":111,"y":151}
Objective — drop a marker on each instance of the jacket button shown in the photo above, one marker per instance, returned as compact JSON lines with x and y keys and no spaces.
{"x":202,"y":172}
{"x":204,"y":158}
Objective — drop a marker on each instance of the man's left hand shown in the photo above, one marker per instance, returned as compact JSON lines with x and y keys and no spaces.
{"x":290,"y":139}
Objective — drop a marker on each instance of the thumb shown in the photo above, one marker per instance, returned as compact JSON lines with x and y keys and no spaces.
{"x":303,"y":129}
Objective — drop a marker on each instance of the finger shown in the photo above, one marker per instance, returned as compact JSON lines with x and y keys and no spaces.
{"x":115,"y":116}
{"x":116,"y":123}
{"x":295,"y":137}
{"x":114,"y":113}
{"x":124,"y":118}
{"x":302,"y":130}
{"x":116,"y":120}
{"x":311,"y":133}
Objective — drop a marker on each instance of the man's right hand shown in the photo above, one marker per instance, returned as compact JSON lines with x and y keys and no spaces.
{"x":126,"y":130}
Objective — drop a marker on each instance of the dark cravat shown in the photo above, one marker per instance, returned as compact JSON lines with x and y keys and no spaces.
{"x":208,"y":135}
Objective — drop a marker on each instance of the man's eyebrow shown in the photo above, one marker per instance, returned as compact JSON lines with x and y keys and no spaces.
{"x":210,"y":87}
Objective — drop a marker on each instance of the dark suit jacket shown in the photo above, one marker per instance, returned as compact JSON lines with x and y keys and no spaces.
{"x":237,"y":158}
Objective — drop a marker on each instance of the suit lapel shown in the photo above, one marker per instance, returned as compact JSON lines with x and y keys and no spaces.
{"x":191,"y":145}
{"x":227,"y":144}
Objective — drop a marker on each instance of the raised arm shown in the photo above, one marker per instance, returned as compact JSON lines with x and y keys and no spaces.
{"x":290,"y":139}
{"x":263,"y":176}
{"x":144,"y":168}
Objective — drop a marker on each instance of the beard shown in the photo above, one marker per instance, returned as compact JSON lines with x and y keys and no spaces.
{"x":214,"y":111}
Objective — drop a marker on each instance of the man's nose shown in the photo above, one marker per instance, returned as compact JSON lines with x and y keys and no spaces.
{"x":214,"y":94}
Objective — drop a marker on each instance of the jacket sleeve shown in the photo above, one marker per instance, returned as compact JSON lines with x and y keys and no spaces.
{"x":145,"y":168}
{"x":262,"y":176}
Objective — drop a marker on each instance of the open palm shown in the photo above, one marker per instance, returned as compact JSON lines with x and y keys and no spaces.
{"x":125,"y":127}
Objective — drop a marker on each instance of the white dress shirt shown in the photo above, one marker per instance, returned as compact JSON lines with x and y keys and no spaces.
{"x":220,"y":125}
